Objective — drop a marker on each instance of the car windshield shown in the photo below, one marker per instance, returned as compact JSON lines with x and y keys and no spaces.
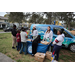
{"x":69,"y":31}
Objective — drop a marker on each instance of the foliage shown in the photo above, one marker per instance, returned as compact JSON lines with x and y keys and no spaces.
{"x":16,"y":17}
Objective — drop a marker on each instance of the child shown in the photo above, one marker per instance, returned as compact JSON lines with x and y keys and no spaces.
{"x":23,"y":41}
{"x":57,"y":45}
{"x":18,"y":40}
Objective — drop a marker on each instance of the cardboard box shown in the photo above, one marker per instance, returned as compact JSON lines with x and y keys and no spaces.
{"x":40,"y":57}
{"x":48,"y":55}
{"x":28,"y":39}
{"x":45,"y":42}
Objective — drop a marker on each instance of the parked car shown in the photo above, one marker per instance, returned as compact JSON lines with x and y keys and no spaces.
{"x":7,"y":29}
{"x":69,"y":40}
{"x":20,"y":28}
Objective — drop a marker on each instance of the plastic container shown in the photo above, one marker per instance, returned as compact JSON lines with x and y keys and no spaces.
{"x":48,"y":40}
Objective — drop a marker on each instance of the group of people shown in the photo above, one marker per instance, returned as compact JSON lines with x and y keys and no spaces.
{"x":21,"y":38}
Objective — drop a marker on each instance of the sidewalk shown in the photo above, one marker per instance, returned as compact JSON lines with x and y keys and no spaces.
{"x":4,"y":58}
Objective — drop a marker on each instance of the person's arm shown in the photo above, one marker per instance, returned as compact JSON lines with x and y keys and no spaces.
{"x":51,"y":36}
{"x":44,"y":36}
{"x":36,"y":32}
{"x":26,"y":35}
{"x":57,"y":40}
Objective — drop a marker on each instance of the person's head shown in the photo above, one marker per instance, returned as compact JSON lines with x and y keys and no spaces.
{"x":48,"y":28}
{"x":23,"y":29}
{"x":18,"y":31}
{"x":14,"y":26}
{"x":59,"y":32}
{"x":34,"y":27}
{"x":38,"y":36}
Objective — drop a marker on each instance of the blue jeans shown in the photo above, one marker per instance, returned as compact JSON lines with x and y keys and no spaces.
{"x":18,"y":45}
{"x":56,"y":51}
{"x":24,"y":44}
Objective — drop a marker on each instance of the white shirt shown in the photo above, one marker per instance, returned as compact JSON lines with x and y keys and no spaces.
{"x":60,"y":39}
{"x":50,"y":35}
{"x":35,"y":33}
{"x":23,"y":36}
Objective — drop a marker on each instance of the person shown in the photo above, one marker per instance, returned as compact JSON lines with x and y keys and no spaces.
{"x":23,"y":41}
{"x":14,"y":32}
{"x":35,"y":44}
{"x":48,"y":35}
{"x":34,"y":32}
{"x":18,"y":40}
{"x":57,"y":45}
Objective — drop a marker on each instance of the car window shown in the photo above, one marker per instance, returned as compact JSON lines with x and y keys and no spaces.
{"x":66,"y":34}
{"x":55,"y":29}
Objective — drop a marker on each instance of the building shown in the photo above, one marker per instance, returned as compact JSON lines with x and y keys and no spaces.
{"x":3,"y":22}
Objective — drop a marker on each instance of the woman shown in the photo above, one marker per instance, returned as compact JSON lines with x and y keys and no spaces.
{"x":34,"y":32}
{"x":48,"y":35}
{"x":57,"y":45}
{"x":35,"y":44}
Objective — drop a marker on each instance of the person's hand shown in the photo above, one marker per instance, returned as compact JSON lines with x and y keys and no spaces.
{"x":43,"y":39}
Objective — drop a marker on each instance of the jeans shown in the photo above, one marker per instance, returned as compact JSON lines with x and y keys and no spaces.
{"x":56,"y":51}
{"x":18,"y":45}
{"x":24,"y":44}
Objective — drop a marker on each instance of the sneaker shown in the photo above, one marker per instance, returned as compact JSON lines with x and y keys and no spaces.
{"x":55,"y":61}
{"x":32,"y":54}
{"x":13,"y":47}
{"x":16,"y":46}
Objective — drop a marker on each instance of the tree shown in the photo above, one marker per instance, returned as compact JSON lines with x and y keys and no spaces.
{"x":49,"y":17}
{"x":36,"y":17}
{"x":68,"y":17}
{"x":6,"y":15}
{"x":16,"y":17}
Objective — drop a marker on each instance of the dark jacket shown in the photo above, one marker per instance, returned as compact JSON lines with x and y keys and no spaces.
{"x":37,"y":40}
{"x":14,"y":32}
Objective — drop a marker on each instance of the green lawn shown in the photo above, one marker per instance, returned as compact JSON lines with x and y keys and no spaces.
{"x":1,"y":30}
{"x":6,"y":48}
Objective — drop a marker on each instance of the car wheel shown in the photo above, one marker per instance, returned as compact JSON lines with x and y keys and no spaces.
{"x":72,"y":47}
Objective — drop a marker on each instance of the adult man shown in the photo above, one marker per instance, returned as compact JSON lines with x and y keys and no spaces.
{"x":14,"y":32}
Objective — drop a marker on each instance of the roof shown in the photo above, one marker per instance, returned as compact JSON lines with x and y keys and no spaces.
{"x":3,"y":18}
{"x":47,"y":25}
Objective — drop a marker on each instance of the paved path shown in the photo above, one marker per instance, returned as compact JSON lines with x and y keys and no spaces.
{"x":4,"y":58}
{"x":4,"y":32}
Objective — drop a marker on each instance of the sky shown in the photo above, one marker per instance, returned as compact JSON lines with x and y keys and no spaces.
{"x":2,"y":13}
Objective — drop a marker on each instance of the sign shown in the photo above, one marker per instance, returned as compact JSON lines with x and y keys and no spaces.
{"x":30,"y":49}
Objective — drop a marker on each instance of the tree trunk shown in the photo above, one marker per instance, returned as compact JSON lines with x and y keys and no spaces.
{"x":49,"y":20}
{"x":68,"y":25}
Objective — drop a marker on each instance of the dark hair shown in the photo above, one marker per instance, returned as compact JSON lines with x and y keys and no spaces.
{"x":33,"y":30}
{"x":48,"y":30}
{"x":23,"y":29}
{"x":18,"y":31}
{"x":61,"y":31}
{"x":14,"y":26}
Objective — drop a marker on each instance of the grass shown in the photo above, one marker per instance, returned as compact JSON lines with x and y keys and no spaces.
{"x":1,"y":30}
{"x":6,"y":48}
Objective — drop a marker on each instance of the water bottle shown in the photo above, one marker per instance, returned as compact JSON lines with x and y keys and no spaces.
{"x":52,"y":58}
{"x":28,"y":36}
{"x":48,"y":40}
